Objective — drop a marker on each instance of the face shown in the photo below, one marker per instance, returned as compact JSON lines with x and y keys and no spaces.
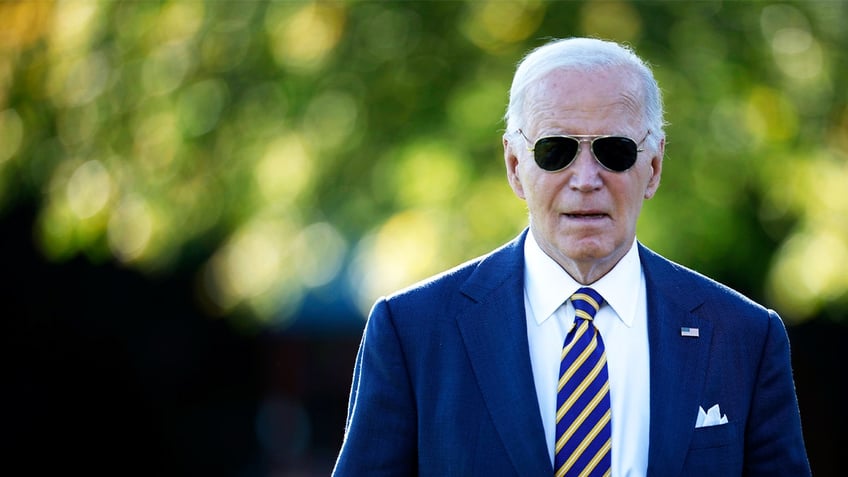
{"x":584,"y":216}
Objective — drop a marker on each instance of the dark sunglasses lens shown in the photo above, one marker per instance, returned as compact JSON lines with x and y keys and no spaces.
{"x":615,"y":153}
{"x":555,"y":153}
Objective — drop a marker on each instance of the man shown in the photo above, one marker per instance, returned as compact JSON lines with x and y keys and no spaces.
{"x":575,"y":350}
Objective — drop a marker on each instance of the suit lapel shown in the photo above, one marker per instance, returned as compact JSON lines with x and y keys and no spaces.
{"x":678,"y":364}
{"x":494,"y":331}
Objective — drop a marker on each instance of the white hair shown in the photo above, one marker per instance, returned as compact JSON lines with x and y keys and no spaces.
{"x":583,"y":54}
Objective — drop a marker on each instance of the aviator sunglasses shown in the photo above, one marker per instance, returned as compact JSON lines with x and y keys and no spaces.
{"x":615,"y":153}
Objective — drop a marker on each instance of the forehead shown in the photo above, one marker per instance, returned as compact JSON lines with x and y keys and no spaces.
{"x":598,"y":101}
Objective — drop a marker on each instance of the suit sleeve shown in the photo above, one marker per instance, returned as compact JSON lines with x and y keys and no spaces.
{"x":774,"y":445}
{"x":380,"y":434}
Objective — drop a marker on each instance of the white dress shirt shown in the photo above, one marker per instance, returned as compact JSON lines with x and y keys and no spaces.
{"x":622,"y":323}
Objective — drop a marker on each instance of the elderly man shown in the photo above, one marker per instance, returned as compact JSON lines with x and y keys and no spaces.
{"x":575,"y":350}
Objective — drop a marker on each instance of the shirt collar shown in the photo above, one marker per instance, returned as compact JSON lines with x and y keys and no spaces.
{"x":548,"y":286}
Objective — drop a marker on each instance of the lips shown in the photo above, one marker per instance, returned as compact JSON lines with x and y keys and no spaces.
{"x":585,"y":214}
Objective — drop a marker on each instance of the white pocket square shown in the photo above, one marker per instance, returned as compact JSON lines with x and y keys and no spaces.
{"x":712,"y":417}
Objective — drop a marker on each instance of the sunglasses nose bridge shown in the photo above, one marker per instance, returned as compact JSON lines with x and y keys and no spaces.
{"x":584,"y":145}
{"x":585,"y":168}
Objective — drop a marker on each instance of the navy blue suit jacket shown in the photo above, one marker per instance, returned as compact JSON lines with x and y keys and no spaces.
{"x":443,"y":384}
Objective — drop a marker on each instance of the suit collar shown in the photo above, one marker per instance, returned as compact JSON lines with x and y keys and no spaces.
{"x":489,"y":325}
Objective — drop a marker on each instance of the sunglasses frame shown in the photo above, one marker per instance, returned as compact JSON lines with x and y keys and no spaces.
{"x":581,"y":138}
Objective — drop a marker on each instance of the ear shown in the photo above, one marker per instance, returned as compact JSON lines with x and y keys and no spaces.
{"x":656,"y":170}
{"x":512,"y":168}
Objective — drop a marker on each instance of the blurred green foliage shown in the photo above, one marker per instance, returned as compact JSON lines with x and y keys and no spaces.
{"x":285,"y":146}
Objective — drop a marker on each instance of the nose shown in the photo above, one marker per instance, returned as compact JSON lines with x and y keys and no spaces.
{"x":585,"y":170}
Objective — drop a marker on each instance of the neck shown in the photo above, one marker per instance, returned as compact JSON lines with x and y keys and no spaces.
{"x":586,"y":273}
{"x":588,"y":270}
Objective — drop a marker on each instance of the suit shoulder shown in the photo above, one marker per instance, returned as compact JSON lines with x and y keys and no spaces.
{"x":698,"y":289}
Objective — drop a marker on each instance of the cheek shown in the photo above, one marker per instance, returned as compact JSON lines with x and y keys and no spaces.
{"x":635,"y":200}
{"x":529,"y":179}
{"x":541,"y":189}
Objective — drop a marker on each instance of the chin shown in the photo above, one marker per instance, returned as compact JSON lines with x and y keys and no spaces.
{"x":591,"y":246}
{"x":582,"y":252}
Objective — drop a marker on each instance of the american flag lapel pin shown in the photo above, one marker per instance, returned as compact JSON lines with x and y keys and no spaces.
{"x":689,"y":332}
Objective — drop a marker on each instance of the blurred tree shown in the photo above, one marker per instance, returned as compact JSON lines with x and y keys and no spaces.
{"x":286,"y":147}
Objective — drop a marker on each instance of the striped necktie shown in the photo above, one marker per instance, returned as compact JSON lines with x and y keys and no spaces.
{"x":583,"y":429}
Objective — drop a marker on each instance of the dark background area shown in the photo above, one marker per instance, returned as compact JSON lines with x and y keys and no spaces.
{"x":108,"y":372}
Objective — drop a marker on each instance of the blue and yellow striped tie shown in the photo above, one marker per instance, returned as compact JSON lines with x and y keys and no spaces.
{"x":584,"y":428}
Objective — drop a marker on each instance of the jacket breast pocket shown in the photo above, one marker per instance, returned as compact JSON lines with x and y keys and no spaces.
{"x":715,"y":436}
{"x":714,"y":451}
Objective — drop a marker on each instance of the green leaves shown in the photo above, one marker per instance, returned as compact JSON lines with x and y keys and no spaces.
{"x":305,"y":144}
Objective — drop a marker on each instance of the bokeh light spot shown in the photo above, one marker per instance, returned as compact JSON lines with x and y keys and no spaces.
{"x":254,"y":268}
{"x":73,"y":25}
{"x":770,"y":116}
{"x":156,"y":137}
{"x":493,"y":25}
{"x":165,"y":69}
{"x":330,"y":119}
{"x":477,"y":107}
{"x":285,"y":170}
{"x":252,"y":262}
{"x":303,"y":35}
{"x":179,"y":21}
{"x":796,"y":52}
{"x":404,"y":249}
{"x":319,"y":254}
{"x":809,"y":271}
{"x":200,"y":106}
{"x":615,"y":20}
{"x":492,"y":211}
{"x":130,"y":229}
{"x":429,"y":173}
{"x":11,"y":134}
{"x":89,"y":189}
{"x":81,"y":80}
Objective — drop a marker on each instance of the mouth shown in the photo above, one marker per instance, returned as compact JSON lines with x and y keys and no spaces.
{"x":587,"y":215}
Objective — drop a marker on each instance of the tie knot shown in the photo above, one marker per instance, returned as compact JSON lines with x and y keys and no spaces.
{"x":586,"y":303}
